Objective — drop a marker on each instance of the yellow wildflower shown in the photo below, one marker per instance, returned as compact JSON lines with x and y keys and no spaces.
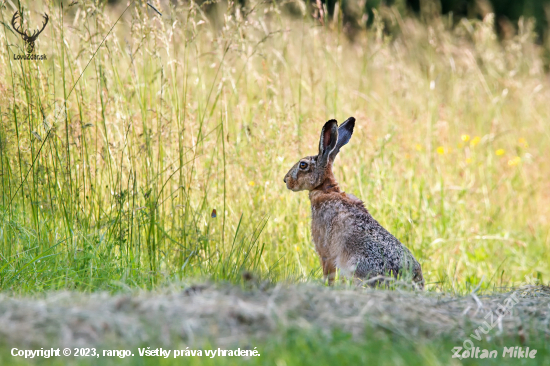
{"x":251,"y":183}
{"x":418,"y":147}
{"x":468,"y":160}
{"x":523,"y":142}
{"x":500,"y":152}
{"x":465,"y":138}
{"x":440,"y":150}
{"x":515,"y":161}
{"x":475,"y":141}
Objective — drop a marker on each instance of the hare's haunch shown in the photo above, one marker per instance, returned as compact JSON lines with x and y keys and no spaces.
{"x":346,"y":236}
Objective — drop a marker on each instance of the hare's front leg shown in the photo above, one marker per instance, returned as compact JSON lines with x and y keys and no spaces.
{"x":329,"y":270}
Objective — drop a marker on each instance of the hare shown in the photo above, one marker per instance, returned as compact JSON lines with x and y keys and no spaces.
{"x":345,"y":235}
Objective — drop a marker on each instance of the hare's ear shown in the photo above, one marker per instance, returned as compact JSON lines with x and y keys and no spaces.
{"x":344,"y":135}
{"x":329,"y":138}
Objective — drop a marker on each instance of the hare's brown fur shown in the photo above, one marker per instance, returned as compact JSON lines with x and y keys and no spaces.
{"x":346,"y":236}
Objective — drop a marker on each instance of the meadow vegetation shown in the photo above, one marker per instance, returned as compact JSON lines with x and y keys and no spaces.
{"x":111,"y":169}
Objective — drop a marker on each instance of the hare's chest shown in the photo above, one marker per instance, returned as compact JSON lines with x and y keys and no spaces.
{"x":322,"y":224}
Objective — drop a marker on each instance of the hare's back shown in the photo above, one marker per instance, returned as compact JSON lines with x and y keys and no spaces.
{"x":375,"y":250}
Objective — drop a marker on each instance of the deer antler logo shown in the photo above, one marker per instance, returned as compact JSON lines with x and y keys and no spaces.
{"x":26,"y":35}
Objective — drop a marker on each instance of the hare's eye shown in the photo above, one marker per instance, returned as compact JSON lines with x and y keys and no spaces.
{"x":303,"y":165}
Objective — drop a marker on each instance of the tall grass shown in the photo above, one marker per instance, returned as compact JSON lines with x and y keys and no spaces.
{"x":185,"y":113}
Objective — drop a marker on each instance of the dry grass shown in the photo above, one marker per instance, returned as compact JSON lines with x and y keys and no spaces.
{"x":228,"y":316}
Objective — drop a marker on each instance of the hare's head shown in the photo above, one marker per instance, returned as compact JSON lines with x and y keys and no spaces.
{"x":310,"y":172}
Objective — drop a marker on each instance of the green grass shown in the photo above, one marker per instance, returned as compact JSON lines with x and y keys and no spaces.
{"x":172,"y":120}
{"x":299,"y":347}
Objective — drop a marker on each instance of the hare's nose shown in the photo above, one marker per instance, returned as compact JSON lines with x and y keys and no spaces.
{"x":284,"y":180}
